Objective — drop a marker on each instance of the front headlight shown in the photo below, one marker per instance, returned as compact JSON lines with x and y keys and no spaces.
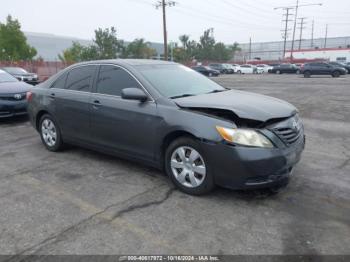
{"x":246,"y":137}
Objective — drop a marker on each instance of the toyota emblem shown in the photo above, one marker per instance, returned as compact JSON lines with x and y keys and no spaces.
{"x":18,"y":96}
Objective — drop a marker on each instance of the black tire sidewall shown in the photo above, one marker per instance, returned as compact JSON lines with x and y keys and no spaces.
{"x":59,"y":143}
{"x":208,"y":183}
{"x":336,"y":74}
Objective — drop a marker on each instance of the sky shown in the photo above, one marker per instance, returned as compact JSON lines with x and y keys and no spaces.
{"x":232,"y":20}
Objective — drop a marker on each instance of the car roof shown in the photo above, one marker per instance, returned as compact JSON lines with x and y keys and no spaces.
{"x":130,"y":62}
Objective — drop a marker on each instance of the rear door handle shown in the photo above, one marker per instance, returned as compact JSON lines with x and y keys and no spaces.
{"x":96,"y":103}
{"x":52,"y":95}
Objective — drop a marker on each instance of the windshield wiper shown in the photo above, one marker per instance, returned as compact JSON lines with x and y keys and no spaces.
{"x":217,"y":91}
{"x":180,"y":96}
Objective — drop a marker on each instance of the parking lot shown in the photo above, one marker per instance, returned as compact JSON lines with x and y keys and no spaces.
{"x":82,"y":202}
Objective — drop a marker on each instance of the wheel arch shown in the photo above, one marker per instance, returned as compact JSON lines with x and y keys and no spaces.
{"x":38,"y":117}
{"x":169,"y":138}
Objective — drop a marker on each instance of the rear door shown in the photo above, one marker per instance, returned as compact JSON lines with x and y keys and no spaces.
{"x":72,"y":103}
{"x":127,"y":126}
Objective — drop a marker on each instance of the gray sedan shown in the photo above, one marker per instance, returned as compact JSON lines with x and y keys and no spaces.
{"x":168,"y":116}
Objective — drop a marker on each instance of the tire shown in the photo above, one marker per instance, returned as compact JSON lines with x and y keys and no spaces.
{"x":182,"y":169}
{"x":278,"y":72}
{"x":336,"y":74}
{"x":298,"y":72}
{"x":307,"y":74}
{"x":50,"y":133}
{"x":210,"y":74}
{"x":239,"y":72}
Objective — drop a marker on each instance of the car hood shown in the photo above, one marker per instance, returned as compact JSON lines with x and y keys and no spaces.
{"x":14,"y":87}
{"x":244,"y":104}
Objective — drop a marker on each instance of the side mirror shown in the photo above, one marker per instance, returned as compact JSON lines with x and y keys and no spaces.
{"x":134,"y":93}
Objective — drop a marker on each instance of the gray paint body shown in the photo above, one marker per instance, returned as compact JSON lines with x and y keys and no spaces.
{"x":138,"y":130}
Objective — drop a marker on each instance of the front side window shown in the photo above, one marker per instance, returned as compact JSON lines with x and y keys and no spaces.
{"x":79,"y":79}
{"x":112,"y":80}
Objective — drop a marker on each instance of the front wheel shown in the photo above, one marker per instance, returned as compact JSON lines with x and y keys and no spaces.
{"x":307,"y":74}
{"x":50,"y":133}
{"x":188,"y":168}
{"x":239,"y":72}
{"x":336,"y":74}
{"x":278,"y":72}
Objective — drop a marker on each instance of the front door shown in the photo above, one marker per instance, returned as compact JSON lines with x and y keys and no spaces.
{"x":127,"y":126}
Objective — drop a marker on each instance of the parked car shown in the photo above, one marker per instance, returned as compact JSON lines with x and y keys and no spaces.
{"x":321,"y":68}
{"x":236,"y":68}
{"x":12,"y":96}
{"x":246,"y":69}
{"x":22,"y":75}
{"x":285,"y":69}
{"x":221,"y":68}
{"x":264,"y":68}
{"x":206,"y":70}
{"x":168,"y":116}
{"x":229,"y":68}
{"x":347,"y":67}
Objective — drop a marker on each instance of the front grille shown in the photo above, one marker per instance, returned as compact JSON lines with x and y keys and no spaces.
{"x":288,"y":135}
{"x":13,"y":98}
{"x":290,"y":130}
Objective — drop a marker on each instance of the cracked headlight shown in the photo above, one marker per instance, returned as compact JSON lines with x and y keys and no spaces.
{"x":245,"y":137}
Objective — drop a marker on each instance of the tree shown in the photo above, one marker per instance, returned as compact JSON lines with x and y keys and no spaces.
{"x":221,"y":52}
{"x":105,"y":46}
{"x":235,"y":48}
{"x":184,"y":40}
{"x":13,"y":43}
{"x":206,"y":45}
{"x":72,"y":54}
{"x":139,"y":48}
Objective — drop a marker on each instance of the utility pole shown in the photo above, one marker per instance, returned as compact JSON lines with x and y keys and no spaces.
{"x":294,"y":28}
{"x":301,"y":28}
{"x":250,"y":48}
{"x":296,"y":7}
{"x":312,"y":33}
{"x":164,"y":4}
{"x":325,"y":38}
{"x":286,"y":29}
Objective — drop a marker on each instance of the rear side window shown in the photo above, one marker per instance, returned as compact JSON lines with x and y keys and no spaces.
{"x":112,"y":80}
{"x":60,"y":82}
{"x":79,"y":79}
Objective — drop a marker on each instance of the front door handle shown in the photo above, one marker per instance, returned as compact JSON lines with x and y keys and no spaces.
{"x":52,"y":96}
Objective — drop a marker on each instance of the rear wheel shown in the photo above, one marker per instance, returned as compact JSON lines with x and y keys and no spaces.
{"x":297,"y":72}
{"x":278,"y":72}
{"x":336,"y":74}
{"x":210,"y":74}
{"x":50,"y":133}
{"x":239,"y":72}
{"x":187,"y":167}
{"x":307,"y":74}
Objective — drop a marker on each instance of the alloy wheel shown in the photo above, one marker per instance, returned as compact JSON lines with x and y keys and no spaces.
{"x":188,"y":167}
{"x":48,"y":132}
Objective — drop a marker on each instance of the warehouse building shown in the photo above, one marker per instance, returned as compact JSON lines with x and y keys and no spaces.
{"x":272,"y":51}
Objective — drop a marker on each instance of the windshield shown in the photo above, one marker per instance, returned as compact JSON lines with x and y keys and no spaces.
{"x":5,"y":77}
{"x":15,"y":70}
{"x":177,"y":80}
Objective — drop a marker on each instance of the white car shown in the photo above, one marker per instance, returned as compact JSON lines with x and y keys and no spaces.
{"x":236,"y":68}
{"x":249,"y":69}
{"x":264,"y":68}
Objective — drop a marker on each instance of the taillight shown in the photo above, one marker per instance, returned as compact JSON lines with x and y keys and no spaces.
{"x":29,"y":96}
